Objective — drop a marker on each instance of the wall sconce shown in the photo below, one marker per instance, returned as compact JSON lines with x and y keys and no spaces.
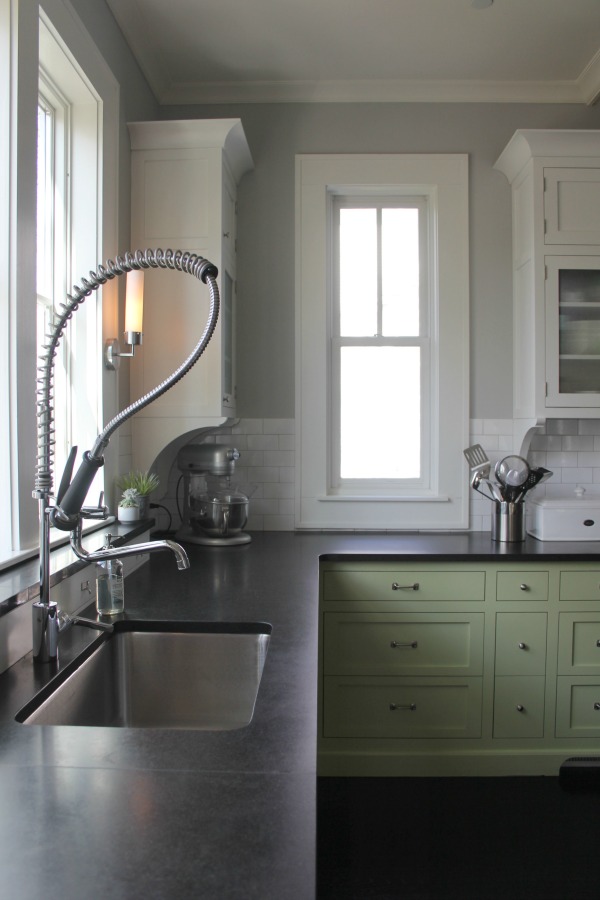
{"x":134,"y":313}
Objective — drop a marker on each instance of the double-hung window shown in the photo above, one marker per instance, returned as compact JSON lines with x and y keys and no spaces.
{"x":380,"y":345}
{"x":382,"y":352}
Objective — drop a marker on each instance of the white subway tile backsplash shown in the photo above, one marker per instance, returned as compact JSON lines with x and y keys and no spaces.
{"x":560,"y":459}
{"x":262,"y":441}
{"x":248,"y":426}
{"x":281,"y":426}
{"x":591,"y":460}
{"x":497,"y":426}
{"x":279,"y":458}
{"x":589,"y":426}
{"x":576,"y":476}
{"x":562,"y":426}
{"x":580,"y":442}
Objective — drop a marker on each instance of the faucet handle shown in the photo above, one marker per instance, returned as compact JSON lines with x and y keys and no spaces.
{"x":96,"y":512}
{"x":65,"y":481}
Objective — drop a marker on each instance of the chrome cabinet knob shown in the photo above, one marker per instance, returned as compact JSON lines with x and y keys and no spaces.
{"x":523,"y":646}
{"x":520,"y":707}
{"x":524,"y":587}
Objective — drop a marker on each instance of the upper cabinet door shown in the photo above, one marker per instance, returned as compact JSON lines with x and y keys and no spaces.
{"x":573,"y":331}
{"x":572,"y":206}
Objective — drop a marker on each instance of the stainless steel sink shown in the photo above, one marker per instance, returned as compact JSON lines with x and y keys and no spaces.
{"x":159,"y":675}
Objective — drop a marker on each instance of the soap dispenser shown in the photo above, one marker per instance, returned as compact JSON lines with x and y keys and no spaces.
{"x":110,"y":584}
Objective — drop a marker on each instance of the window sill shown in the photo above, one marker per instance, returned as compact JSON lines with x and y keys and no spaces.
{"x":20,"y":583}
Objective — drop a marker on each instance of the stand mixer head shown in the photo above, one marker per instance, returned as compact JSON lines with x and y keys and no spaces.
{"x":214,"y":513}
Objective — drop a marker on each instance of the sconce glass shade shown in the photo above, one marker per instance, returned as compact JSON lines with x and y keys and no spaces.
{"x":134,"y":302}
{"x":134,"y":315}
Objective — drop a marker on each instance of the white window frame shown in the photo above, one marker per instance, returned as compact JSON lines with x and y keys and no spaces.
{"x":19,"y":39}
{"x":443,"y":179}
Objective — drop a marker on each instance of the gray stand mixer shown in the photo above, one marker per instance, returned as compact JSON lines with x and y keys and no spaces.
{"x":213,"y":512}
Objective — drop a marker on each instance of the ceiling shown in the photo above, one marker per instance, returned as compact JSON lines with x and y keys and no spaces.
{"x":221,"y":51}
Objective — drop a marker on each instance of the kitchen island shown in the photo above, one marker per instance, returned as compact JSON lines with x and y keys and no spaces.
{"x":127,"y":813}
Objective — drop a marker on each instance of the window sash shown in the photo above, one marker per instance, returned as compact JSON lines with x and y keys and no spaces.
{"x":388,"y":401}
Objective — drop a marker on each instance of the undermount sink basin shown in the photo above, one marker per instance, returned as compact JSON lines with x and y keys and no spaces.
{"x":159,"y":675}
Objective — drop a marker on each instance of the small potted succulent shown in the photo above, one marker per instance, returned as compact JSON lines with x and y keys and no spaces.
{"x":143,"y":483}
{"x":129,"y":506}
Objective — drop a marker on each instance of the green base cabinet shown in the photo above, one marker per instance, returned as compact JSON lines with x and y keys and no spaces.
{"x":455,"y":668}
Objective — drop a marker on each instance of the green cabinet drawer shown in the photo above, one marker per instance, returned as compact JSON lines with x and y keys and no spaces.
{"x":519,"y":707}
{"x":580,"y":585}
{"x":522,"y":585}
{"x":403,"y":643}
{"x":521,"y":643}
{"x":579,"y":644}
{"x":411,"y":584}
{"x":578,"y":707}
{"x":402,"y":707}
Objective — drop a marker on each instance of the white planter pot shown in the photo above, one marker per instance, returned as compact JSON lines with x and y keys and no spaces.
{"x":128,"y":513}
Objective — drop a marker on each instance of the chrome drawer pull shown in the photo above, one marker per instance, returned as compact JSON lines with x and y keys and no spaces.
{"x":524,"y":587}
{"x":395,"y":644}
{"x":405,"y":587}
{"x":596,"y":705}
{"x":410,"y":706}
{"x":520,"y":707}
{"x":598,"y":643}
{"x":523,"y":646}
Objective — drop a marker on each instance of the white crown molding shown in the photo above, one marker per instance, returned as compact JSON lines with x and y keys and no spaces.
{"x":589,"y":80}
{"x":143,"y":42}
{"x":372,"y":92}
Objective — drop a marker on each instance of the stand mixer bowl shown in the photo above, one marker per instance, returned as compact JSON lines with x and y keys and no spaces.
{"x":219,"y":514}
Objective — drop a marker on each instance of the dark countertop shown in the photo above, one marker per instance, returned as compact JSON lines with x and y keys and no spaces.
{"x":128,"y":813}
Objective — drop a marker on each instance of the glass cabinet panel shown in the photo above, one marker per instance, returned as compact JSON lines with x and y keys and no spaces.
{"x":573,"y":330}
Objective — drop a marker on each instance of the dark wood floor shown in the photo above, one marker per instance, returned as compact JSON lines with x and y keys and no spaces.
{"x":457,"y":839}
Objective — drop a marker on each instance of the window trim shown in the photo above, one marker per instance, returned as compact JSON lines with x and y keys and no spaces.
{"x":444,"y":178}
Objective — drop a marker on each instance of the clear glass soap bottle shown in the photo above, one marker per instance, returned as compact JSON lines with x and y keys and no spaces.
{"x":110,"y":585}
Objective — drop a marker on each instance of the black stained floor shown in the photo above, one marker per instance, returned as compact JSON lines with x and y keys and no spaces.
{"x":456,"y":839}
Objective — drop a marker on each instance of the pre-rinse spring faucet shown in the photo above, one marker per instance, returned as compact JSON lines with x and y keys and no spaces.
{"x":68,"y":511}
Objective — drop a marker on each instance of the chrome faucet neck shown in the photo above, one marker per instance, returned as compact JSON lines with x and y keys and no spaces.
{"x":68,"y":511}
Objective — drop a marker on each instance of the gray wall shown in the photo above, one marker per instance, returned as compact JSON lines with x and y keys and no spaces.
{"x":277,"y":132}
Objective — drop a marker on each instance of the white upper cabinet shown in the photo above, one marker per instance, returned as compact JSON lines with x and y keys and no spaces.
{"x":184,"y":192}
{"x":555,"y":181}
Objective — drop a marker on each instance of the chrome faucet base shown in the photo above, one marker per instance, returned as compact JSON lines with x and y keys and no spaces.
{"x":45,"y":631}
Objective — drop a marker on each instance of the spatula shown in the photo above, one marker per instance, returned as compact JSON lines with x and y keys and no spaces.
{"x":478,"y":461}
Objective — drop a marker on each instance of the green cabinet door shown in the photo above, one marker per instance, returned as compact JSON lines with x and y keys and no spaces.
{"x":521,"y":643}
{"x":579,"y":643}
{"x":519,"y":706}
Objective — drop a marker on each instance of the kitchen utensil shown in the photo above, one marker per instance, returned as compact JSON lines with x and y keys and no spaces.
{"x":512,"y":471}
{"x":535,"y":477}
{"x":478,"y":461}
{"x":494,"y":492}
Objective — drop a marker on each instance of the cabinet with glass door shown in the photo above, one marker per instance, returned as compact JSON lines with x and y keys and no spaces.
{"x":555,"y":183}
{"x":573,"y":331}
